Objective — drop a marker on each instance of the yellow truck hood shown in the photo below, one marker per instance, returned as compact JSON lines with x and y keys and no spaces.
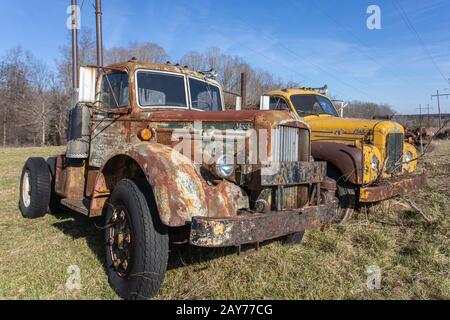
{"x":326,"y":124}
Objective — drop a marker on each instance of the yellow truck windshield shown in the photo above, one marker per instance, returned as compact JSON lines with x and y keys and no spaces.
{"x":307,"y":104}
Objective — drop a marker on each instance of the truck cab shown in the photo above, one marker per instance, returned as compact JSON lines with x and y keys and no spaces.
{"x":151,"y":151}
{"x":369,"y":159}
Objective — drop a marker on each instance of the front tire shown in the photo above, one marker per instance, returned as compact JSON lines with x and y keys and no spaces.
{"x":137,"y":243}
{"x":35,"y":188}
{"x":346,"y":194}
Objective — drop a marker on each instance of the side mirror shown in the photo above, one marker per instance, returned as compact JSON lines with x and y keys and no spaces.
{"x":264,"y":103}
{"x":238,"y":103}
{"x":88,"y":81}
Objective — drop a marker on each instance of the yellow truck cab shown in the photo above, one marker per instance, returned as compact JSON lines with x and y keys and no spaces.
{"x":369,"y":159}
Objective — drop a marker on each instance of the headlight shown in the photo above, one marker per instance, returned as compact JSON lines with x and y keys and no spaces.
{"x":224,"y":166}
{"x":374,"y":163}
{"x":408,"y":157}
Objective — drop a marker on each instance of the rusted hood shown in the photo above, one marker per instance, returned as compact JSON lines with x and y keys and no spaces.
{"x":248,"y":116}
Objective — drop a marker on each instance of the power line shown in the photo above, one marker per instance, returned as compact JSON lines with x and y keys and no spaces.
{"x":262,"y":54}
{"x":358,"y":39}
{"x":302,"y":58}
{"x":409,"y":24}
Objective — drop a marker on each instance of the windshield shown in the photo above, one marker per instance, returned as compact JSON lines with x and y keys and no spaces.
{"x":313,"y":104}
{"x":204,"y":96}
{"x":161,"y":90}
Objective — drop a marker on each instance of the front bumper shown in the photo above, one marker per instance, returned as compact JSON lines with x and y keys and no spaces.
{"x":392,"y":188}
{"x":252,"y":228}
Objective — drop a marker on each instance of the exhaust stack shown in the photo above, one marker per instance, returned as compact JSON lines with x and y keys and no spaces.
{"x":99,"y":28}
{"x":78,"y":131}
{"x":75,"y":83}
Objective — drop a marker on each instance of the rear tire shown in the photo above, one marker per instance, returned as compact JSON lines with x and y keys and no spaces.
{"x":55,"y":200}
{"x":35,"y":188}
{"x":137,"y":243}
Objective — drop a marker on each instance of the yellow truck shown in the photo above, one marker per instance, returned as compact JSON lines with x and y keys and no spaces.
{"x":369,"y":159}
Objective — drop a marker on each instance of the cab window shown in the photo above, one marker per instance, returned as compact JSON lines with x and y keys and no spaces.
{"x":277,"y":103}
{"x":114,"y":91}
{"x":157,"y":89}
{"x":307,"y":104}
{"x":205,"y":96}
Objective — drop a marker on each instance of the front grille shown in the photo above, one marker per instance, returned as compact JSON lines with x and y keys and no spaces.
{"x":394,"y":152}
{"x":291,"y":144}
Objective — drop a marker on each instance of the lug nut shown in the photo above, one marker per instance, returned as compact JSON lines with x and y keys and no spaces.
{"x":110,"y":241}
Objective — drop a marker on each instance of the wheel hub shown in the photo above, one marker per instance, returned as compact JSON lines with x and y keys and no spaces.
{"x":26,"y":189}
{"x":120,"y":242}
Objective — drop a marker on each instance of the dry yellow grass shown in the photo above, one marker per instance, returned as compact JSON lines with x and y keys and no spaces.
{"x":413,"y":255}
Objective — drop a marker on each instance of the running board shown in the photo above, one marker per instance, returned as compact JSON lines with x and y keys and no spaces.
{"x":79,"y":205}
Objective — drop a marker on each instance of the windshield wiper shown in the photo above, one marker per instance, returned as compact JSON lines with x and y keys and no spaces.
{"x":308,"y":113}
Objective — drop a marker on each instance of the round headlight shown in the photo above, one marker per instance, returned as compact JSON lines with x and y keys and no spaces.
{"x":224,"y":166}
{"x":374,"y":162}
{"x":408,"y":157}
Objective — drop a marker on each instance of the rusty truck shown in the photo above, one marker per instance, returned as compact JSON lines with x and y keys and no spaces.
{"x":123,"y":162}
{"x":368,"y":159}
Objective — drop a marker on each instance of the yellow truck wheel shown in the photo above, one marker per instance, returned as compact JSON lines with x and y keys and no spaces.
{"x":346,"y":193}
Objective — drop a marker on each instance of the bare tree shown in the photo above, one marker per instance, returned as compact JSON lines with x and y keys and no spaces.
{"x":15,"y":87}
{"x":368,"y":110}
{"x":229,"y":70}
{"x":34,"y":101}
{"x":148,"y":52}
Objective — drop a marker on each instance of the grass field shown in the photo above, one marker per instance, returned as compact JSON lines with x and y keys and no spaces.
{"x":412,"y":249}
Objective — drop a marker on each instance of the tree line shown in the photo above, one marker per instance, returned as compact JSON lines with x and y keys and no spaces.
{"x":35,"y":97}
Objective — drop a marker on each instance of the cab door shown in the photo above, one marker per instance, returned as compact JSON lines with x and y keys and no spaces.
{"x":111,"y":118}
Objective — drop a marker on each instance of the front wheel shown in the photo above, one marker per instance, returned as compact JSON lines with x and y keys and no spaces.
{"x":35,"y":188}
{"x":137,"y":243}
{"x":346,"y":194}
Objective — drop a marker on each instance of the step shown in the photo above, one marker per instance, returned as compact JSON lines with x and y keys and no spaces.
{"x":79,"y":205}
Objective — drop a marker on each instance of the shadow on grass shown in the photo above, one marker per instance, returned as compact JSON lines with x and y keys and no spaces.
{"x":183,"y":255}
{"x":78,"y":226}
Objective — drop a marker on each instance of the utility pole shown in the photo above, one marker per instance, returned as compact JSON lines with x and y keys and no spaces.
{"x":438,"y":96}
{"x":420,"y":116}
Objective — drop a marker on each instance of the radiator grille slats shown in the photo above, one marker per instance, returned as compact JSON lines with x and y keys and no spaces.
{"x":291,"y":144}
{"x":286,"y":144}
{"x":394,"y":152}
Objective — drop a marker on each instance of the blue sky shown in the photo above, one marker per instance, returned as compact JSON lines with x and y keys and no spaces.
{"x":312,"y":42}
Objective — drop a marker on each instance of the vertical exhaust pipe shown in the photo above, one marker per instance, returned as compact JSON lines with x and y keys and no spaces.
{"x":99,"y":28}
{"x":243,"y":89}
{"x":75,"y":17}
{"x":78,"y":130}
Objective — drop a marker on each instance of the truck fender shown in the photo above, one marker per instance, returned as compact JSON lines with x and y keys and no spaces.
{"x":179,"y":190}
{"x":348,"y":159}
